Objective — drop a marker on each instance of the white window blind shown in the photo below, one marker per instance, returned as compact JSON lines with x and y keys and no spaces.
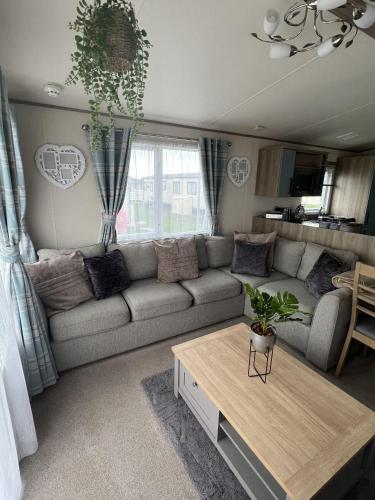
{"x":160,"y":200}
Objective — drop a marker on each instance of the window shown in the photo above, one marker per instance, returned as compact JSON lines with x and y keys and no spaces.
{"x":169,"y":198}
{"x":315,"y":203}
{"x":192,"y":188}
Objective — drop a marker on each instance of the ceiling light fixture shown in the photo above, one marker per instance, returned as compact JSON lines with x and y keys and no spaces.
{"x":298,"y":16}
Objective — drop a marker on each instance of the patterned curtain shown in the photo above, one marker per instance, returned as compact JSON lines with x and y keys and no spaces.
{"x":16,"y":246}
{"x":111,"y":167}
{"x":214,"y":155}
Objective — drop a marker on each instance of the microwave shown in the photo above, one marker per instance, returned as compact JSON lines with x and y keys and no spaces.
{"x":307,"y":181}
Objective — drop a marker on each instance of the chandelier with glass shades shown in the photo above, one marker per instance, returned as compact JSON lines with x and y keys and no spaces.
{"x":362,"y":16}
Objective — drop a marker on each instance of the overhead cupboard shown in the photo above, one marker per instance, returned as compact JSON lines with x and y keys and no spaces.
{"x":284,"y":172}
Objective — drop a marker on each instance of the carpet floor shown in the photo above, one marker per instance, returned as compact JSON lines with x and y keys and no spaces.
{"x":207,"y":469}
{"x":99,"y":437}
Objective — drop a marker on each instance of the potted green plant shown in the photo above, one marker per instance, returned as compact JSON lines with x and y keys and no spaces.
{"x":269,"y":310}
{"x":110,"y":59}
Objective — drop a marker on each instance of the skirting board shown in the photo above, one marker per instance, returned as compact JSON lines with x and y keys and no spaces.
{"x":360,"y":244}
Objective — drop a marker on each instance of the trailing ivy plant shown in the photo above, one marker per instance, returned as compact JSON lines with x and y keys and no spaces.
{"x":93,"y":26}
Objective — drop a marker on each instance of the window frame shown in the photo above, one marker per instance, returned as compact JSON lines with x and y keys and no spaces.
{"x":158,"y":191}
{"x":189,"y":184}
{"x":174,"y":185}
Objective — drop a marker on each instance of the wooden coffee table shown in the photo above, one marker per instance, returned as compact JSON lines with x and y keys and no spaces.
{"x":298,"y":436}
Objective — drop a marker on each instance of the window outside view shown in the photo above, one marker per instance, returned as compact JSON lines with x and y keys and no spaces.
{"x":164,"y":194}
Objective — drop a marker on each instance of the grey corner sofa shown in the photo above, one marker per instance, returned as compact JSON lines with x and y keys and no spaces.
{"x":149,"y":311}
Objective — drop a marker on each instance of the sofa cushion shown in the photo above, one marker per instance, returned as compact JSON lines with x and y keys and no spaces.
{"x":319,"y":279}
{"x":177,"y":259}
{"x":259,"y":238}
{"x":288,"y":255}
{"x":90,"y":318}
{"x":61,"y":282}
{"x":211,"y":286}
{"x":150,"y":298}
{"x":140,"y":259}
{"x":251,"y":258}
{"x":307,"y":302}
{"x":366,"y":325}
{"x":255,"y":281}
{"x":219,"y":251}
{"x":88,"y":251}
{"x":200,"y":240}
{"x":314,"y":251}
{"x":108,"y":274}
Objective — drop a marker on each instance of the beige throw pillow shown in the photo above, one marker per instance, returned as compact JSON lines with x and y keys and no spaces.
{"x":259,"y":238}
{"x":61,"y":282}
{"x":177,"y":259}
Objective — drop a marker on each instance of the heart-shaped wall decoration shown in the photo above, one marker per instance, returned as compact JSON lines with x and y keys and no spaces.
{"x":61,"y":165}
{"x":238,"y":170}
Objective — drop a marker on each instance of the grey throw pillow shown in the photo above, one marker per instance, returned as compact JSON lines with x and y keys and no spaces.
{"x":61,"y":282}
{"x":259,"y":238}
{"x":177,"y":260}
{"x":251,"y":258}
{"x":319,"y":279}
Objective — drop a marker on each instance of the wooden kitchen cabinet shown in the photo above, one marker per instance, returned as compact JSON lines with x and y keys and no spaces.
{"x":353,"y":181}
{"x":275,"y":169}
{"x":278,"y":166}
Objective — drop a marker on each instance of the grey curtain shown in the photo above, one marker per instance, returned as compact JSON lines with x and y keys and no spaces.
{"x":214,"y":156}
{"x":111,"y":168}
{"x":15,"y":249}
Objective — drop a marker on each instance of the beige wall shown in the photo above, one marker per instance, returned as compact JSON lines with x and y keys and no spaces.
{"x":68,"y":218}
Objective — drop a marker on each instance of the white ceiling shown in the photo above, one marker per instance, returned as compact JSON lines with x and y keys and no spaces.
{"x":206,"y":70}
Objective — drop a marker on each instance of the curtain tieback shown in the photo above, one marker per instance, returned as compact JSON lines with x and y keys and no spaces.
{"x":109,"y":219}
{"x":10,"y":254}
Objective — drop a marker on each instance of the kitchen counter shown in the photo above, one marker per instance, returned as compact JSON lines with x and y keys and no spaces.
{"x":361,"y":244}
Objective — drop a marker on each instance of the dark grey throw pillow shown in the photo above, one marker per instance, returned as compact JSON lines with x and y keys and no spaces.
{"x":108,"y":274}
{"x":319,"y":279}
{"x":251,"y":258}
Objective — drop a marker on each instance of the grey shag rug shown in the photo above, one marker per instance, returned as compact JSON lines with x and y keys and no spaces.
{"x":205,"y":466}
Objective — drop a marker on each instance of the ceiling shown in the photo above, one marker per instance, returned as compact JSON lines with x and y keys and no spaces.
{"x":206,"y":70}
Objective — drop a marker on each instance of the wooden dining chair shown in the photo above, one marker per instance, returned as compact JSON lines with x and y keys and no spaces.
{"x":362,"y":323}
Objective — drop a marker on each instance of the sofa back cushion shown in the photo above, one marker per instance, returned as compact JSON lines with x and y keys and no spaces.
{"x":219,"y":251}
{"x":200,"y":240}
{"x":288,"y":255}
{"x":314,"y":251}
{"x":89,"y":251}
{"x":140,"y":259}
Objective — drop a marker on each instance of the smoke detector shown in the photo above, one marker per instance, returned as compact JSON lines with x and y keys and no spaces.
{"x":53,"y":89}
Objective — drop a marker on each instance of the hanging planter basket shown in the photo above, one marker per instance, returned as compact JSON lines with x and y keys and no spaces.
{"x":111,"y":61}
{"x":121,"y":43}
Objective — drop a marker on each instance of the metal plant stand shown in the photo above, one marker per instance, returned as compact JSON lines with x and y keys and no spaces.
{"x":252,"y":363}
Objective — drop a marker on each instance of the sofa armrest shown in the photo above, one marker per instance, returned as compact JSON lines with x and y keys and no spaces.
{"x":329,"y":328}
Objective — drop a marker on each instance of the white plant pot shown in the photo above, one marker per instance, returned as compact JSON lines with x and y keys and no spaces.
{"x":261,"y":343}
